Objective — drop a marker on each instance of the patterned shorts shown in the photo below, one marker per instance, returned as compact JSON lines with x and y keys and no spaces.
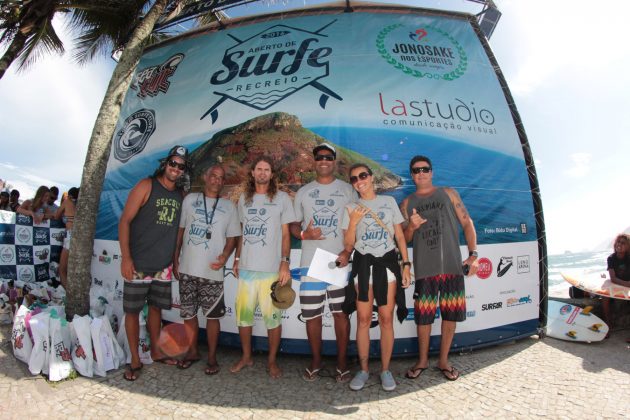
{"x":452,"y":295}
{"x":196,"y":292}
{"x":254,"y":290}
{"x":313,"y":293}
{"x":154,"y":288}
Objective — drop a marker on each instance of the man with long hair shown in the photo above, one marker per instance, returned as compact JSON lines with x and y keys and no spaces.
{"x":147,"y":233}
{"x":262,"y":257}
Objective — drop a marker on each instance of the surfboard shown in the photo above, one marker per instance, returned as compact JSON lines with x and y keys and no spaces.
{"x":572,"y":323}
{"x":597,"y":284}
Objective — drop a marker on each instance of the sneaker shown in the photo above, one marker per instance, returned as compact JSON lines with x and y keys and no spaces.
{"x":359,"y":380}
{"x":387,"y":381}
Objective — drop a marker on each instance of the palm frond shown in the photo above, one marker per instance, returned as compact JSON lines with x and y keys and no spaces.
{"x":43,"y":41}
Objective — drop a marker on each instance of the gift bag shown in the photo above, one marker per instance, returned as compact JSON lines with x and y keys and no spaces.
{"x":20,"y":340}
{"x":38,"y":363}
{"x":60,"y":365}
{"x":144,"y":343}
{"x":107,"y":352}
{"x":81,"y":345}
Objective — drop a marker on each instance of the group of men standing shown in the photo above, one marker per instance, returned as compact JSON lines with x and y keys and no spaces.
{"x":196,"y":235}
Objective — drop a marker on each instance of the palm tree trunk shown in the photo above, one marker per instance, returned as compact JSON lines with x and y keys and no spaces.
{"x":79,"y":274}
{"x":12,"y":52}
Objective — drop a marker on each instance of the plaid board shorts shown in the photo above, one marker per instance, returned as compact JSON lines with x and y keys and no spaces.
{"x":154,"y":288}
{"x":452,"y":298}
{"x":197,"y":292}
{"x":313,"y":293}
{"x":254,"y":290}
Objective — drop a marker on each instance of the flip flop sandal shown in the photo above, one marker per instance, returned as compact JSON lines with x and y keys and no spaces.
{"x":132,"y":371}
{"x":169,"y":361}
{"x":186,"y":363}
{"x":211,"y":369}
{"x":414,"y":373}
{"x":454,"y":373}
{"x":311,"y":375}
{"x":342,"y":376}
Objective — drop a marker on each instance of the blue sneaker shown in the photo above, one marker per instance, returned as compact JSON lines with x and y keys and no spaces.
{"x":359,"y":380}
{"x":387,"y":381}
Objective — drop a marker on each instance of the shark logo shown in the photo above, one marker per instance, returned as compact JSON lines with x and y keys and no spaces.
{"x":272,"y":65}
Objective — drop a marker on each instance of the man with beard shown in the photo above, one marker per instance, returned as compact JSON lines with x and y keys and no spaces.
{"x":147,"y":233}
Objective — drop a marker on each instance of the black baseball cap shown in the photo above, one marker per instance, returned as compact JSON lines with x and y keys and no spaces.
{"x":179,"y":151}
{"x":325,"y":146}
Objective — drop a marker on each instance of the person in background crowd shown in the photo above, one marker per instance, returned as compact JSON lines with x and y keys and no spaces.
{"x":50,"y":205}
{"x":66,"y":212}
{"x":319,"y":206}
{"x":14,"y":200}
{"x":36,"y":207}
{"x":372,"y":226}
{"x":262,"y":257}
{"x":432,"y":216}
{"x":4,"y":201}
{"x":208,"y":230}
{"x":147,"y":232}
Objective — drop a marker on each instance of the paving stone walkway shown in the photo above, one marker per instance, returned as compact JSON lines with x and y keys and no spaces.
{"x":528,"y":378}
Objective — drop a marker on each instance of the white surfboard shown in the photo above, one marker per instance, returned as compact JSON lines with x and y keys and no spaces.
{"x":597,"y":284}
{"x":572,"y":323}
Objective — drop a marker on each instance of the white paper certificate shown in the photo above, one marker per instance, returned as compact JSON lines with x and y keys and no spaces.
{"x":321,"y":270}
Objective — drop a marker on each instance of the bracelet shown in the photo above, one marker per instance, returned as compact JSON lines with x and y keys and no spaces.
{"x":237,"y":259}
{"x":406,"y":264}
{"x":473,"y":253}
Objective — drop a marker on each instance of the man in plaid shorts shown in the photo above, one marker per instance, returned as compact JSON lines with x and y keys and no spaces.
{"x":432,"y":215}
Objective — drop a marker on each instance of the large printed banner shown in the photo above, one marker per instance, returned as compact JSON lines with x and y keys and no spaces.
{"x":382,"y":87}
{"x":29,"y":252}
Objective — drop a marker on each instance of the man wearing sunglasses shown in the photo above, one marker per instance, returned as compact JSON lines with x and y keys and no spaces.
{"x":318,"y":209}
{"x":432,"y":214}
{"x":147,"y":233}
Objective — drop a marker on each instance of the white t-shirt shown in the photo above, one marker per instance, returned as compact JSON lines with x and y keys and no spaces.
{"x":198,"y":252}
{"x":371,"y":237}
{"x":323,"y":204}
{"x":262,"y":222}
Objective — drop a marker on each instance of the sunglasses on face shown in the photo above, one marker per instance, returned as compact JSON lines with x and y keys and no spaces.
{"x":361,"y":176}
{"x":424,"y":169}
{"x":174,"y":164}
{"x":328,"y":158}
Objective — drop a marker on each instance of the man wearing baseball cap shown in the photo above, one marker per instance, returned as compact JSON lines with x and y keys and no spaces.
{"x":147,"y":233}
{"x":318,"y":206}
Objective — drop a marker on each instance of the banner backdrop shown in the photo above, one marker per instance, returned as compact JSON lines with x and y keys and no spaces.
{"x":29,"y":252}
{"x":382,"y":87}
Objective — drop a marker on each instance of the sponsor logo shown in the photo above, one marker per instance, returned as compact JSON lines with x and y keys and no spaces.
{"x":504,"y":265}
{"x":272,"y":65}
{"x":104,"y":258}
{"x":565,"y":309}
{"x":522,"y":264}
{"x":58,"y":236}
{"x":491,"y":306}
{"x":24,"y":235}
{"x":134,"y":135}
{"x":519,"y":301}
{"x":470,"y":296}
{"x":7,"y":254}
{"x":42,"y":254}
{"x":26,"y":274}
{"x":485,"y":268}
{"x":327,"y":220}
{"x":153,"y":80}
{"x":24,"y":255}
{"x":507,"y":292}
{"x":523,"y":228}
{"x":7,"y":236}
{"x":21,"y":219}
{"x":97,"y":282}
{"x":262,"y":212}
{"x":423,"y":52}
{"x":255,"y":231}
{"x":315,"y":194}
{"x":40,"y":236}
{"x":471,"y":314}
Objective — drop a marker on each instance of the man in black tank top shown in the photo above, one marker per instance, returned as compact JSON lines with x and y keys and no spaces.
{"x":432,"y":215}
{"x":147,"y":233}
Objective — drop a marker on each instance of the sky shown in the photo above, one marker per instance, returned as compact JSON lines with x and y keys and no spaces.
{"x":565,"y":62}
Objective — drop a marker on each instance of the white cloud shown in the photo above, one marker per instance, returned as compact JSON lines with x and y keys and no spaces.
{"x":581,"y":165}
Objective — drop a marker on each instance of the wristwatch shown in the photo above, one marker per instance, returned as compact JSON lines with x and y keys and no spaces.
{"x":473,"y":253}
{"x":406,"y":264}
{"x":285,"y":259}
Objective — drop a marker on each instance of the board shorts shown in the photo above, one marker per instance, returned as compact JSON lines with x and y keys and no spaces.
{"x":452,"y":298}
{"x":154,"y":288}
{"x":313,"y":293}
{"x":254,"y":290}
{"x":197,"y":292}
{"x":66,"y":240}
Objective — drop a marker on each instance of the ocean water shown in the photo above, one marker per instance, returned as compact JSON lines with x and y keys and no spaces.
{"x":586,"y":262}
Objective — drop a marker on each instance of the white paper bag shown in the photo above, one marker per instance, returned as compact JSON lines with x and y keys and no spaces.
{"x":60,"y":358}
{"x":144,"y":343}
{"x":38,"y":363}
{"x":20,"y":340}
{"x":81,"y":347}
